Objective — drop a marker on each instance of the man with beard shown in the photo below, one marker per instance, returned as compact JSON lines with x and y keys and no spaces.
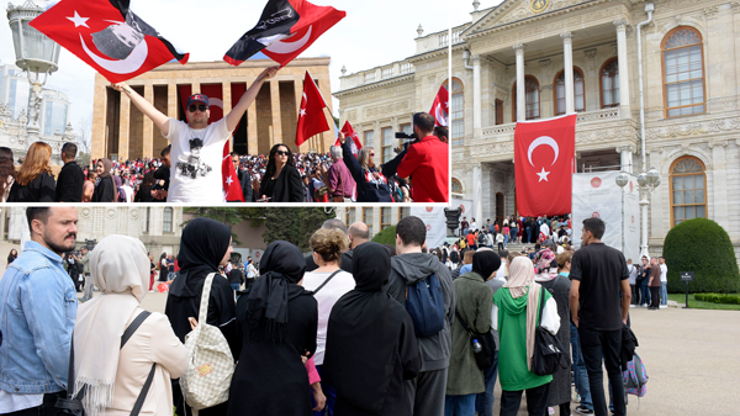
{"x":37,"y":314}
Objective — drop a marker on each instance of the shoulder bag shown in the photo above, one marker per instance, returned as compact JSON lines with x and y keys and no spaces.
{"x":486,"y":349}
{"x":548,"y":352}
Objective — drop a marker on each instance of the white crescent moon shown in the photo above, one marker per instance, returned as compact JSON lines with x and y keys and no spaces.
{"x":440,"y":115}
{"x":289,"y":47}
{"x":216,"y":101}
{"x":125,"y":66}
{"x":546,"y":141}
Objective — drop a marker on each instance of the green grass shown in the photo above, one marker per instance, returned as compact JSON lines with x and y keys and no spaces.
{"x":693,"y":303}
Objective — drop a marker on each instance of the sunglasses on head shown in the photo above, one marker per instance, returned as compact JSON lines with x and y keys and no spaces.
{"x":201,"y":107}
{"x":283,"y":153}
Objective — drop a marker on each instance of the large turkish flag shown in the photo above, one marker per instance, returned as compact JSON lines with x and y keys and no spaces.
{"x":311,"y":117}
{"x":544,"y":156}
{"x":108,"y":36}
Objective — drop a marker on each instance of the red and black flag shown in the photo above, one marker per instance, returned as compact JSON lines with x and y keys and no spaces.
{"x":108,"y":36}
{"x":286,"y":28}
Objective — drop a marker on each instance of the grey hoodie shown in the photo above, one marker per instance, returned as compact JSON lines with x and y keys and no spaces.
{"x":408,"y":269}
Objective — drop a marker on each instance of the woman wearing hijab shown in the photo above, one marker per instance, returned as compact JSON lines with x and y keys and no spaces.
{"x":371,"y":346}
{"x":474,"y":301}
{"x":105,"y":190}
{"x":113,"y":376}
{"x":34,"y":181}
{"x":278,"y":319}
{"x":205,"y":244}
{"x":516,"y":322}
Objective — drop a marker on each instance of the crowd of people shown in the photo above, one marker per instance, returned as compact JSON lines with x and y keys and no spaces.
{"x":305,"y":334}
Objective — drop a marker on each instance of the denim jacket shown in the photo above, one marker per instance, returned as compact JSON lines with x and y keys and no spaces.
{"x":38,"y":307}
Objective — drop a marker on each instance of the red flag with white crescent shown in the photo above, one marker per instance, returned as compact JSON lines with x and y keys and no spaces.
{"x":441,"y":107}
{"x":544,"y":153}
{"x":349,"y":132}
{"x":108,"y":36}
{"x":311,"y":117}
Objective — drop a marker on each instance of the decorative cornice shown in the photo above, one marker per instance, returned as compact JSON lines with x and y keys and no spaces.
{"x":374,"y":85}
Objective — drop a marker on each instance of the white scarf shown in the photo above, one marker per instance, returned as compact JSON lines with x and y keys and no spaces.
{"x":120,"y":268}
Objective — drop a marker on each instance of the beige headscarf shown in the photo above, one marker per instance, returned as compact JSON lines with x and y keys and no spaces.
{"x":120,"y":268}
{"x":521,"y":282}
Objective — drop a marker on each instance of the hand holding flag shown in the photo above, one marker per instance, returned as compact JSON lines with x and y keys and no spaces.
{"x":348,"y":131}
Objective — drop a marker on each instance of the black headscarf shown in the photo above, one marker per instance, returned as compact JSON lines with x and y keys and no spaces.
{"x":485,"y":262}
{"x":282,"y":266}
{"x":364,"y":330}
{"x":202,"y":247}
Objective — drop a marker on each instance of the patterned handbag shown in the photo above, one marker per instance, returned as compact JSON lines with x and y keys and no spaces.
{"x":208,"y":377}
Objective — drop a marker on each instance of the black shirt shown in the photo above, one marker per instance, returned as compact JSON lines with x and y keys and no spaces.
{"x":600,"y":269}
{"x":69,"y":184}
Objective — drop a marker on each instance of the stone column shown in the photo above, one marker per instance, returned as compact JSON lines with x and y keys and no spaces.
{"x":720,"y":184}
{"x":277,"y":128}
{"x":625,"y":158}
{"x":252,"y":140}
{"x":521,"y":109}
{"x":147,"y":141}
{"x":195,"y":87}
{"x":226,"y":94}
{"x":172,"y":100}
{"x":99,"y":140}
{"x":477,"y":192}
{"x":568,"y":69}
{"x":477,"y":107}
{"x":123,"y":127}
{"x":624,"y":79}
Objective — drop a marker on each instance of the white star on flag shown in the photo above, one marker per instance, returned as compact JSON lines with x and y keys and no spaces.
{"x":79,"y":21}
{"x":229,"y":181}
{"x":543,"y":176}
{"x":303,"y":112}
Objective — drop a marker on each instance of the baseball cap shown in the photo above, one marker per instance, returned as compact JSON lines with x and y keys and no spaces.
{"x":198,"y":98}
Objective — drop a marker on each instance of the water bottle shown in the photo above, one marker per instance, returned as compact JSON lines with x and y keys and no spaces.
{"x":476,"y":346}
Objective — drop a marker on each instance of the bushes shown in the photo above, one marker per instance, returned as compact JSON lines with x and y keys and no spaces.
{"x":718,"y":298}
{"x":702,"y":246}
{"x":387,"y":236}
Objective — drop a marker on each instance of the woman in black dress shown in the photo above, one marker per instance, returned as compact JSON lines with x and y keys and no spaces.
{"x":34,"y":181}
{"x":105,"y":190}
{"x":282,"y":181}
{"x":279,"y":320}
{"x":205,"y":244}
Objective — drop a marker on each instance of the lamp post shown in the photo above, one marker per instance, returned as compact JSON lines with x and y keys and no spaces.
{"x":453,"y":219}
{"x":647,"y":182}
{"x":622,"y":180}
{"x":35,"y":53}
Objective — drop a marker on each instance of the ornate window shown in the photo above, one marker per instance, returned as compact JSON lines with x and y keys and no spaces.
{"x":167,"y":220}
{"x":683,"y":72}
{"x":456,"y":186}
{"x":531,"y":96}
{"x":457,"y":112}
{"x":688,"y":190}
{"x":610,"y":83}
{"x":578,"y":91}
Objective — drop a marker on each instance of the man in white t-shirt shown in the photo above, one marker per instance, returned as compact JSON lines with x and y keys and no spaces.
{"x":663,"y":283}
{"x":197,"y":147}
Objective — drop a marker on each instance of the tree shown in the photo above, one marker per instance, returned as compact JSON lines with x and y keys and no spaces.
{"x":229,"y":216}
{"x":701,"y":246}
{"x":84,"y":139}
{"x":294,"y":225}
{"x":387,"y":236}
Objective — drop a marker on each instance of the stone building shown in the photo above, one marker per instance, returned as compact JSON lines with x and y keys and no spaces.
{"x":535,"y":59}
{"x":121,"y":131}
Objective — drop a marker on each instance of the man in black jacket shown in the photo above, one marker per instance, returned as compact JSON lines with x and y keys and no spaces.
{"x":244,"y":178}
{"x":159,"y":192}
{"x":71,"y":178}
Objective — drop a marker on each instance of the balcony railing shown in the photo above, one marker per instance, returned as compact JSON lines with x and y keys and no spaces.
{"x":606,"y":114}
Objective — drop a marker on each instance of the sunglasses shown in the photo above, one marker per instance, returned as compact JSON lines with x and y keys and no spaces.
{"x":201,"y":107}
{"x":283,"y":153}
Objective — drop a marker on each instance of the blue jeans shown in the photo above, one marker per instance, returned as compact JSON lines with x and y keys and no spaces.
{"x":644,"y":292}
{"x":460,"y":405}
{"x":484,"y":401}
{"x":663,"y":293}
{"x":514,"y":231}
{"x":506,"y":239}
{"x":579,"y":369}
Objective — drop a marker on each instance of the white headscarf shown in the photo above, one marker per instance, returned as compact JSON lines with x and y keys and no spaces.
{"x":521,"y":278}
{"x":120,"y":268}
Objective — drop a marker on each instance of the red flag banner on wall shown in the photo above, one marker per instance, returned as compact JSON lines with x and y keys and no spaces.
{"x":543,"y":153}
{"x":349,"y":132}
{"x":441,"y":107}
{"x":108,"y":36}
{"x":311,"y":117}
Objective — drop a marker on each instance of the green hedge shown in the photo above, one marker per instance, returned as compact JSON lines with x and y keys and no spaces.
{"x":703,"y":247}
{"x":718,"y":298}
{"x":387,"y":236}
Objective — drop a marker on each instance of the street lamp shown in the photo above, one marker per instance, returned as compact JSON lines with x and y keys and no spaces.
{"x":35,"y":53}
{"x":647,"y":182}
{"x":453,"y":218}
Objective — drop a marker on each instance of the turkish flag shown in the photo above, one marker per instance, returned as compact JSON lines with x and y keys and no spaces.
{"x":441,"y":107}
{"x":350,"y":132}
{"x":311,"y":117}
{"x":544,"y":156}
{"x":286,"y":28}
{"x":107,"y":36}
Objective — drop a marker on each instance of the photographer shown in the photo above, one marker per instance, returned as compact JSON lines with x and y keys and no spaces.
{"x":428,"y":161}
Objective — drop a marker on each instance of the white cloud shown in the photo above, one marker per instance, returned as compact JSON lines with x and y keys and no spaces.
{"x":373,"y":33}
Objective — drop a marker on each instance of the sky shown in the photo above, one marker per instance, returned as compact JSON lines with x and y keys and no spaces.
{"x":374,"y":33}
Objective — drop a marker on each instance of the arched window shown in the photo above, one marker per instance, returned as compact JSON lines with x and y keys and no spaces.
{"x":610,"y":83}
{"x":456,"y":186}
{"x":578,"y":91}
{"x":688,"y":190}
{"x":167,"y":220}
{"x":531,"y":97}
{"x":683,"y":72}
{"x":457,"y":112}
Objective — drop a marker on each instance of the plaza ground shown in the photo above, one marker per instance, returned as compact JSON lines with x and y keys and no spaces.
{"x":692,"y":358}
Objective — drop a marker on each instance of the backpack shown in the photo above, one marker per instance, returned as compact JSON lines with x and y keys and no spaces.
{"x":635,"y":377}
{"x":426,"y":306}
{"x":462,"y":243}
{"x":208,"y":377}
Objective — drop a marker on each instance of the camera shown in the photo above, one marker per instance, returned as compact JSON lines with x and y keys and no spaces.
{"x":402,"y":135}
